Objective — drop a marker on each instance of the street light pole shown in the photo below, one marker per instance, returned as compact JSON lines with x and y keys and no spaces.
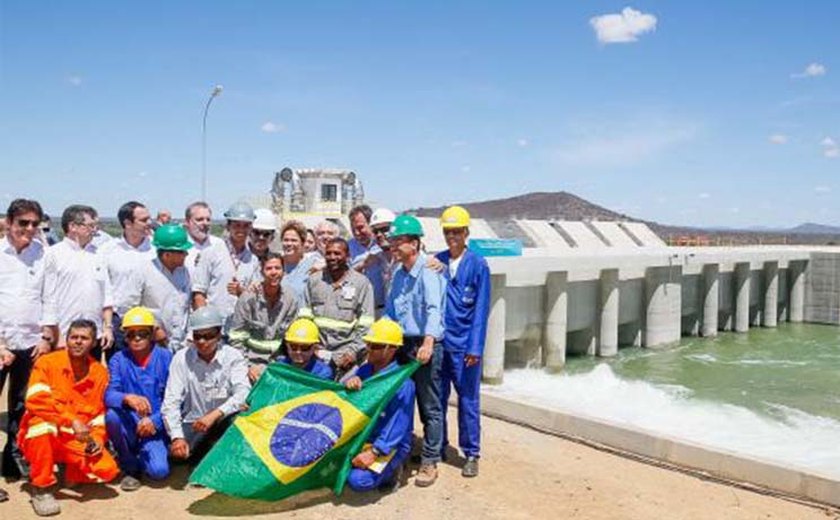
{"x":216,"y":91}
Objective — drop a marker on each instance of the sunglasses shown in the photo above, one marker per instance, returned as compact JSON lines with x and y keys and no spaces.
{"x":262,"y":234}
{"x":207,"y":336}
{"x":299,"y":348}
{"x":380,"y":231}
{"x":378,"y":346}
{"x":138,"y":334}
{"x":27,"y":223}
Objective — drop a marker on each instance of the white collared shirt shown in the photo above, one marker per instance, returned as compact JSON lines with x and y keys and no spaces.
{"x":76,"y":285}
{"x":21,"y":294}
{"x":122,"y":259}
{"x":166,"y":294}
{"x":218,"y":266}
{"x":198,"y":250}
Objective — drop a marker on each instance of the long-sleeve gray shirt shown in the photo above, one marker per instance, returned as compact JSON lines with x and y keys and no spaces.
{"x":257,"y":328}
{"x":196,"y":387}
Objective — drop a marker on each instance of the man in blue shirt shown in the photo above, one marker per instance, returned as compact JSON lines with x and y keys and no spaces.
{"x":134,"y":397}
{"x":379,"y":464}
{"x":366,"y":256}
{"x":467,"y":308}
{"x":301,"y":342}
{"x":416,"y":302}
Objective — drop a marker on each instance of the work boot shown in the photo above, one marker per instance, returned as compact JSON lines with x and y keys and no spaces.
{"x":470,"y":468}
{"x":3,"y":495}
{"x":129,"y":483}
{"x":427,"y":474}
{"x":44,"y":503}
{"x":392,"y":484}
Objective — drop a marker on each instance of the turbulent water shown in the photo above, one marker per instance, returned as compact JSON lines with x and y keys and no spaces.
{"x":770,"y":393}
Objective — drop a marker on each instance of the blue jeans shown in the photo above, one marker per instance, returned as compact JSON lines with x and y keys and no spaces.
{"x":428,"y":391}
{"x":467,"y":383}
{"x":135,"y":455}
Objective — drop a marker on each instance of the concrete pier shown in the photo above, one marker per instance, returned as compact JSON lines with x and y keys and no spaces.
{"x":662,"y":305}
{"x":711,"y":300}
{"x":771,"y":294}
{"x":796,"y":282}
{"x":742,"y":297}
{"x":493,"y":367}
{"x":556,"y":320}
{"x":609,"y":294}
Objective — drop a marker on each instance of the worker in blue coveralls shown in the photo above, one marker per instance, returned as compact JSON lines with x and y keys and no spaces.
{"x":301,"y":341}
{"x":379,"y":465}
{"x":416,"y":302}
{"x":465,"y":319}
{"x":134,"y":396}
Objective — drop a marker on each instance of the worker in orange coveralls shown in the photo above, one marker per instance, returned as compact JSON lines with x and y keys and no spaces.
{"x":64,"y":420}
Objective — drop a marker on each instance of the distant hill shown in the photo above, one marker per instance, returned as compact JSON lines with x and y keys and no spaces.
{"x":559,"y":205}
{"x":562,"y":205}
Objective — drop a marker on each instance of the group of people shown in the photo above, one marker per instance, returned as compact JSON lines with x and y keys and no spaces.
{"x":187,"y":322}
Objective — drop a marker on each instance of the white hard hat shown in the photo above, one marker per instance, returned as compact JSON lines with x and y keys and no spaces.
{"x":265,"y":220}
{"x":382,"y":216}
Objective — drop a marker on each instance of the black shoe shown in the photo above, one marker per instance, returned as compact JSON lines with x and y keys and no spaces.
{"x":392,"y":484}
{"x":470,"y":468}
{"x":416,"y":459}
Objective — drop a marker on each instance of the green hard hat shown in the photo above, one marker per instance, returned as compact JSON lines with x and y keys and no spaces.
{"x":171,"y":237}
{"x":406,"y":225}
{"x":206,"y":317}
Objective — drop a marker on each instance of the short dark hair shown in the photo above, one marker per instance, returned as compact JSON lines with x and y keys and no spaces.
{"x":82,"y":323}
{"x":19,"y":207}
{"x":75,"y":214}
{"x":271,"y":255}
{"x":364,"y":209}
{"x":296,"y":226}
{"x":126,"y":211}
{"x":196,"y":204}
{"x":340,"y":241}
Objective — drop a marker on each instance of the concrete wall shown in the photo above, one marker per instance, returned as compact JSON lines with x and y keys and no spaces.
{"x":584,"y":304}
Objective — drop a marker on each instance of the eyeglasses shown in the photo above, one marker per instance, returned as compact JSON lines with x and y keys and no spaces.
{"x":138,"y":334}
{"x":299,"y":348}
{"x":89,"y":225}
{"x":207,"y":336}
{"x":262,"y":234}
{"x":27,"y":223}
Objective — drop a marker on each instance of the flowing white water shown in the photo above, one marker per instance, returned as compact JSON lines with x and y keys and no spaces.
{"x":787,"y":436}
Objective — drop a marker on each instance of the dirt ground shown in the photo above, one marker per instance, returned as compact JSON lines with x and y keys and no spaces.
{"x":524,"y":474}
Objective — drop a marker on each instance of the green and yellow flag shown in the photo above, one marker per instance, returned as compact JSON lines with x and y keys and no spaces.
{"x":300,"y":433}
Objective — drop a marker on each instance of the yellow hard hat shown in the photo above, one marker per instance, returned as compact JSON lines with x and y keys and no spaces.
{"x":455,"y":217}
{"x":302,"y":331}
{"x":385,"y":332}
{"x":138,"y":317}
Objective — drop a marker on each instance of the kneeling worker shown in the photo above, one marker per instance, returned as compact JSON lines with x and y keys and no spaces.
{"x":134,"y":398}
{"x":301,"y":342}
{"x":379,"y":464}
{"x":207,"y":386}
{"x":64,"y":422}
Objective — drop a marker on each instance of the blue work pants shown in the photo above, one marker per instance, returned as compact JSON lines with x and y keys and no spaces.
{"x":137,"y":455}
{"x":467,"y":383}
{"x":362,"y":480}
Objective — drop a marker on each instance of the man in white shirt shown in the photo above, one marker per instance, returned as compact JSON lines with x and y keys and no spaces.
{"x":197,"y":219}
{"x":123,"y":257}
{"x":21,"y":302}
{"x":223,"y":273}
{"x":76,"y":283}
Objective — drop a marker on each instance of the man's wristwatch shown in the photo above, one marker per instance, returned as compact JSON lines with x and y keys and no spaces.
{"x":376,"y":451}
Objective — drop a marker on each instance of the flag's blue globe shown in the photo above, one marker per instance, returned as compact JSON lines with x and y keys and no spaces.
{"x":306,"y":433}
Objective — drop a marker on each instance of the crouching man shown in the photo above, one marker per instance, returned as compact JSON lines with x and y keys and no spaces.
{"x":379,"y":464}
{"x":301,"y":342}
{"x":134,"y":398}
{"x":208,"y":384}
{"x":64,"y":422}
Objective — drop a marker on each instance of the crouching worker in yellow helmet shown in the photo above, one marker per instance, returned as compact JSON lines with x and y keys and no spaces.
{"x":134,"y":398}
{"x":300,"y":343}
{"x":380,"y":463}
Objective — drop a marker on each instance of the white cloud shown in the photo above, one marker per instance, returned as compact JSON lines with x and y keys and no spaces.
{"x":703,"y":195}
{"x":778,"y":139}
{"x":624,"y":27}
{"x":828,"y":142}
{"x":811,"y":71}
{"x":142,"y":174}
{"x":735,"y":210}
{"x":522,"y":143}
{"x":466,"y":168}
{"x":831,"y":153}
{"x":830,"y":148}
{"x":272,"y":128}
{"x":822,"y":189}
{"x":75,"y":81}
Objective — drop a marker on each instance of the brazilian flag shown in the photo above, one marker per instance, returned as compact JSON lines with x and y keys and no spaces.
{"x":300,"y":432}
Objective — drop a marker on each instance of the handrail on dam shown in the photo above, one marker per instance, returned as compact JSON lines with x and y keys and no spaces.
{"x":543,"y":307}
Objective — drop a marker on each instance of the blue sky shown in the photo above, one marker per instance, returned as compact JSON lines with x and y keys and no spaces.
{"x":718,"y":113}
